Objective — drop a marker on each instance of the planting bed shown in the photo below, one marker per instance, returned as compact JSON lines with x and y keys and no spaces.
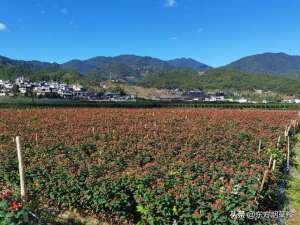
{"x":147,"y":166}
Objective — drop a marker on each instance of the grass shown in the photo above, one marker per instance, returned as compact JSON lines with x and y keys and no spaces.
{"x":293,"y":191}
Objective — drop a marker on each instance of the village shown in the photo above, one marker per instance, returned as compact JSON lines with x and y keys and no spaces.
{"x":220,"y":96}
{"x":197,"y":95}
{"x":60,"y":90}
{"x":54,"y":89}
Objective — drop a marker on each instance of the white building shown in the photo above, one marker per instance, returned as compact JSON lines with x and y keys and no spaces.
{"x":42,"y":90}
{"x":20,"y":80}
{"x":8,"y":85}
{"x":23,"y":90}
{"x":77,"y":87}
{"x":242,"y":100}
{"x":214,"y":98}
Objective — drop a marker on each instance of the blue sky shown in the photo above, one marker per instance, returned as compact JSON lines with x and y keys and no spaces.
{"x":215,"y":32}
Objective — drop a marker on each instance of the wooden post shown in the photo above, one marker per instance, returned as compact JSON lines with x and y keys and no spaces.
{"x":270,"y":161}
{"x":36,"y":139}
{"x":259,"y":146}
{"x":278,"y":142}
{"x":264,"y":180}
{"x":285,"y":133}
{"x":274,"y":164}
{"x":21,"y":169}
{"x":288,"y":154}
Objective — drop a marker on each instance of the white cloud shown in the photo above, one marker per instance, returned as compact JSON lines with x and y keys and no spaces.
{"x":2,"y":27}
{"x":171,"y":3}
{"x":173,"y":38}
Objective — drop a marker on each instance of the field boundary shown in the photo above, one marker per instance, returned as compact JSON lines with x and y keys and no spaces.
{"x":145,"y":104}
{"x":293,"y":190}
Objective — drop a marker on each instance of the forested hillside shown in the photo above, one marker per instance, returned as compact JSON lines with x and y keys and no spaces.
{"x":268,"y":63}
{"x":221,"y":79}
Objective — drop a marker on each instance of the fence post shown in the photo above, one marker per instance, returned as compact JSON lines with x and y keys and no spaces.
{"x":21,"y":169}
{"x":288,"y":154}
{"x":270,"y":161}
{"x":278,"y":142}
{"x":36,"y":139}
{"x":274,"y":164}
{"x":264,"y":179}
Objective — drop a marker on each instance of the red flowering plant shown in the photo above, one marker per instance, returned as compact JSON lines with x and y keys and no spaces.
{"x":12,"y":211}
{"x":148,"y":166}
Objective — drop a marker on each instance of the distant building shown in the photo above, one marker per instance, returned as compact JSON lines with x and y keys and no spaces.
{"x":77,"y":87}
{"x":41,"y":91}
{"x":195,"y":95}
{"x":242,"y":100}
{"x":23,"y":90}
{"x":259,"y":92}
{"x":215,"y":97}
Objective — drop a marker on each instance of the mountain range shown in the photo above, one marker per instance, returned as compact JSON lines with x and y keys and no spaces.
{"x":127,"y":67}
{"x":268,"y":63}
{"x":182,"y":72}
{"x":137,"y":66}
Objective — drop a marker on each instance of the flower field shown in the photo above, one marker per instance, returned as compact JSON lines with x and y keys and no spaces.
{"x":148,"y":166}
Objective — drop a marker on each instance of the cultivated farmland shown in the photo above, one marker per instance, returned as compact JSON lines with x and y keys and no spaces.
{"x":152,"y":166}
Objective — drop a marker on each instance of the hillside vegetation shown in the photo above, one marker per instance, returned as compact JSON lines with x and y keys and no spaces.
{"x":125,"y":67}
{"x":221,"y":79}
{"x":172,"y":79}
{"x":269,"y":63}
{"x":154,"y":73}
{"x":230,"y":79}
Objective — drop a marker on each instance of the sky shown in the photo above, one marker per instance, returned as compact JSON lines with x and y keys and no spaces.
{"x":215,"y":32}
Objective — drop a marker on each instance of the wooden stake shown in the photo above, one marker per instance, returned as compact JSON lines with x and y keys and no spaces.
{"x":278,"y":142}
{"x":285,"y":133}
{"x":288,"y":154}
{"x":288,"y":130}
{"x":259,"y":146}
{"x":264,"y":180}
{"x":36,"y":139}
{"x":21,"y":169}
{"x":274,"y":164}
{"x":270,"y":161}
